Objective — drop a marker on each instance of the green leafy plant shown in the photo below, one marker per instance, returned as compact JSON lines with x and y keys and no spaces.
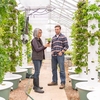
{"x":93,"y":26}
{"x":21,"y":25}
{"x":10,"y":36}
{"x":4,"y":5}
{"x":78,"y":70}
{"x":4,"y":58}
{"x":84,"y":13}
{"x":79,"y":41}
{"x":48,"y":39}
{"x":93,"y":14}
{"x":97,"y":0}
{"x":4,"y":62}
{"x":68,"y":52}
{"x":29,"y":49}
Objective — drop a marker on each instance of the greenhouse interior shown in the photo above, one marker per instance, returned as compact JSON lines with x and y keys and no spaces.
{"x":50,"y":43}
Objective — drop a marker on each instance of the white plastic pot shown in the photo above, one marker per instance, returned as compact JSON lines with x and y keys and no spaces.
{"x":84,"y":88}
{"x":14,"y":78}
{"x":5,"y":89}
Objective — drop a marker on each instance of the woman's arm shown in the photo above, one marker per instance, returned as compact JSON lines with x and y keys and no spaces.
{"x":35,"y":45}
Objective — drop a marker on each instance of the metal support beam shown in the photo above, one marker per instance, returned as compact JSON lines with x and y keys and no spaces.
{"x":62,"y":15}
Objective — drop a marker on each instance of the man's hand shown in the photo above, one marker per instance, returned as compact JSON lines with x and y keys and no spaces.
{"x":60,"y":53}
{"x":63,"y":51}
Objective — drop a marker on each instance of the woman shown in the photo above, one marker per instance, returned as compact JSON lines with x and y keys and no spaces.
{"x":37,"y":57}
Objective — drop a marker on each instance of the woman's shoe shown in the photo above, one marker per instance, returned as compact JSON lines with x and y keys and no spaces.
{"x":36,"y":86}
{"x":39,"y":87}
{"x":38,"y":90}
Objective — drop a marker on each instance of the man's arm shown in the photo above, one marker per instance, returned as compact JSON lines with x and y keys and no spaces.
{"x":65,"y":45}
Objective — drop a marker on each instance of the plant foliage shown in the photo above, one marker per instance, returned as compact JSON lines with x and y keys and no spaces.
{"x":80,"y":50}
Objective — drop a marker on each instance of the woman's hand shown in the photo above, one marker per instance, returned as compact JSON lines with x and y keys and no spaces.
{"x":47,"y":45}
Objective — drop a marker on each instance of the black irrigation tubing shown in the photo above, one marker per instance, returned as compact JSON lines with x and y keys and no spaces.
{"x":27,"y":88}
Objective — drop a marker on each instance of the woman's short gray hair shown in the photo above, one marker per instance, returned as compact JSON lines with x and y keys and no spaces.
{"x":35,"y":32}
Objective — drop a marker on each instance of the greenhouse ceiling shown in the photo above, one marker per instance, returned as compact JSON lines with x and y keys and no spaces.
{"x":60,"y":11}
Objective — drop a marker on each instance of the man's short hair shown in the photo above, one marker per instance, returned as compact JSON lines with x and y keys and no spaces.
{"x":58,"y":26}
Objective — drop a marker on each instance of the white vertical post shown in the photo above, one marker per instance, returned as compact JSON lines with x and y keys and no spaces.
{"x":92,"y":63}
{"x":92,"y":56}
{"x":83,"y":73}
{"x":92,"y":1}
{"x":24,"y":47}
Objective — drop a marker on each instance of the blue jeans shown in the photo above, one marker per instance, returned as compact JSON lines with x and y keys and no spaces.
{"x":58,"y":60}
{"x":37,"y":67}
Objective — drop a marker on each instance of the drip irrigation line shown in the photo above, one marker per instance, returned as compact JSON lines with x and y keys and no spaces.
{"x":27,"y":88}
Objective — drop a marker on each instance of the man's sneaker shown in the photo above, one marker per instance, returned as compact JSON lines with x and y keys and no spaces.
{"x":62,"y":86}
{"x":52,"y":83}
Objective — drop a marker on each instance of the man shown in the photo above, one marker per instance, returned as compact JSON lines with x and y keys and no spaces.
{"x":59,"y":45}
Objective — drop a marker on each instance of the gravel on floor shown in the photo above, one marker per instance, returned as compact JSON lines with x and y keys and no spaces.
{"x":19,"y":93}
{"x":71,"y":94}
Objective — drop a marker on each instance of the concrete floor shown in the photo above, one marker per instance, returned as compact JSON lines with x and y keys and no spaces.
{"x":51,"y":92}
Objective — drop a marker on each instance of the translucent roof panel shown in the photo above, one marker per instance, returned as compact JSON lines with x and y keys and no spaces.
{"x":61,"y":11}
{"x":64,"y":11}
{"x":34,"y":3}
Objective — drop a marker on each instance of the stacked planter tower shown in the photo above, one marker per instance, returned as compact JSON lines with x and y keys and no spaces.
{"x":93,"y":33}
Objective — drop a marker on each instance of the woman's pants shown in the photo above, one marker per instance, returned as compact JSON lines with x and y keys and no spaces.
{"x":37,"y":67}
